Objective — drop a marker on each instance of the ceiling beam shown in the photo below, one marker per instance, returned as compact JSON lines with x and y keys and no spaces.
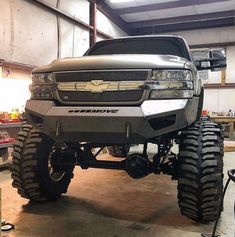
{"x":224,"y":22}
{"x":61,"y":13}
{"x":113,"y":16}
{"x":183,"y":19}
{"x":69,"y":17}
{"x":163,"y":5}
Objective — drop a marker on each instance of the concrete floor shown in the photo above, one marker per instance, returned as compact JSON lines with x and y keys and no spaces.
{"x":108,"y":203}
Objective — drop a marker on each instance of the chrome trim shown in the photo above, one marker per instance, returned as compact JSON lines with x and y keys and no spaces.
{"x":100,"y":86}
{"x":107,"y":70}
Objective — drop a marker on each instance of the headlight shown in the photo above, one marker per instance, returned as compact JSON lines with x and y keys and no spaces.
{"x":43,"y":78}
{"x":42,"y":86}
{"x":170,"y":84}
{"x":184,"y":75}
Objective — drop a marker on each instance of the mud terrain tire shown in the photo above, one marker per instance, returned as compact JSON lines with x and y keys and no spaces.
{"x":30,"y":171}
{"x":200,"y":171}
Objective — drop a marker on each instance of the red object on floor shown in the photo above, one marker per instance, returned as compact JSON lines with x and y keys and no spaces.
{"x":204,"y":112}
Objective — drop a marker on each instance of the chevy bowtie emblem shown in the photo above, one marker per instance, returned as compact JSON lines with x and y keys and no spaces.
{"x":97,"y":86}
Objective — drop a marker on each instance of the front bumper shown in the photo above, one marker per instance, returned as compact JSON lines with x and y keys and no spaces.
{"x":117,"y":125}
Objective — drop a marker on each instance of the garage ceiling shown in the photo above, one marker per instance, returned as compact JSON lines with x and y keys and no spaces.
{"x":160,"y":16}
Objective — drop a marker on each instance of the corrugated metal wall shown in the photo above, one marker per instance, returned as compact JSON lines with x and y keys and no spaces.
{"x":28,"y":32}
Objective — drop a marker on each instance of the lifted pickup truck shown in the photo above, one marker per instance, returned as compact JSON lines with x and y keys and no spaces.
{"x":134,"y":90}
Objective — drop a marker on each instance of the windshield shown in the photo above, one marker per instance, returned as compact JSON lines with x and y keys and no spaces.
{"x":165,"y":46}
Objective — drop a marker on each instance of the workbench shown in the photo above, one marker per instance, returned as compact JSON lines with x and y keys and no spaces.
{"x":226,"y":120}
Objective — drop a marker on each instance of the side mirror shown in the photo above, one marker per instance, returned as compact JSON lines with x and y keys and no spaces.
{"x":219,"y":59}
{"x":215,"y":62}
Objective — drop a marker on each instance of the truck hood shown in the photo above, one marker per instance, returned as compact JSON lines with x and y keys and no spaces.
{"x":122,"y":61}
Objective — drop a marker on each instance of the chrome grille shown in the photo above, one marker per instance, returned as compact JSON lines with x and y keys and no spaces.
{"x":101,"y":86}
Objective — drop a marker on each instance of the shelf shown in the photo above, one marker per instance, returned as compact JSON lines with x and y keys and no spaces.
{"x":5,"y":145}
{"x":10,"y":125}
{"x":5,"y":164}
{"x":219,"y":86}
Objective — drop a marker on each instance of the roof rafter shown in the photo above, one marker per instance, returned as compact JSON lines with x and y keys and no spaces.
{"x":164,"y":5}
{"x":223,"y":22}
{"x":184,"y":19}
